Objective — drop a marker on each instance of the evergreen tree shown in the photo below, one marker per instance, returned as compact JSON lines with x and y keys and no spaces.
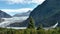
{"x":31,"y":23}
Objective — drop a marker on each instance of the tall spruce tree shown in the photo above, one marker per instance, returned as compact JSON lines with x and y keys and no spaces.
{"x":31,"y":24}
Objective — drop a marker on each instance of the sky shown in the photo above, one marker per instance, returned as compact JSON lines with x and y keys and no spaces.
{"x":18,"y":6}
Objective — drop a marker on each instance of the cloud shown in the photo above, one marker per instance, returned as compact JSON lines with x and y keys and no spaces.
{"x":23,"y":1}
{"x":14,"y":11}
{"x":17,"y":10}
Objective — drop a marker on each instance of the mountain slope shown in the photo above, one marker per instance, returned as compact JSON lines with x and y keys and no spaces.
{"x":4,"y":15}
{"x":22,"y":14}
{"x":47,"y":13}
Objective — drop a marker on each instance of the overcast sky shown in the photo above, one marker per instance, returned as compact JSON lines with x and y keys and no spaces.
{"x":18,"y":6}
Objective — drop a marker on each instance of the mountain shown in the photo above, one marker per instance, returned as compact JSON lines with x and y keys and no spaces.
{"x":47,"y":14}
{"x":4,"y":15}
{"x":22,"y":14}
